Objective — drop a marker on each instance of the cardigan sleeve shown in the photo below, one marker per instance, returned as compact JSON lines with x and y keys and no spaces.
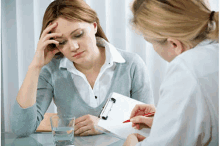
{"x":24,"y":121}
{"x":140,"y":85}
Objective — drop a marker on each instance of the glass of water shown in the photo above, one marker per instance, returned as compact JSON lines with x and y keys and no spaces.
{"x":62,"y":130}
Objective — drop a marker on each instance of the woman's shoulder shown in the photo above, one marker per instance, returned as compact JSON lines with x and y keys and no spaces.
{"x":204,"y":49}
{"x":200,"y":61}
{"x":52,"y":66}
{"x":130,"y":57}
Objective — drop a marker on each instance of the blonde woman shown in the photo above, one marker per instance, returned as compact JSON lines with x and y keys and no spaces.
{"x":184,"y":33}
{"x":82,"y":75}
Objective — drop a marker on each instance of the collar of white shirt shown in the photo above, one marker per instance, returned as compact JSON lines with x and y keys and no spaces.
{"x":112,"y":55}
{"x":205,"y":42}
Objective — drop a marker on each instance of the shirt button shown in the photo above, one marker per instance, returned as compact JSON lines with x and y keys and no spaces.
{"x":95,"y":97}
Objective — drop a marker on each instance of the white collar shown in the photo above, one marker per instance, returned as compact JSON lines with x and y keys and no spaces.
{"x":205,"y":42}
{"x":66,"y":63}
{"x":112,"y":55}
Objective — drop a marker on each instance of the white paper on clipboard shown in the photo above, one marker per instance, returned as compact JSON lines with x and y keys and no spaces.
{"x":119,"y":112}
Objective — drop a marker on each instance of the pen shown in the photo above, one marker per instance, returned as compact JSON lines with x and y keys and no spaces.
{"x":146,"y":115}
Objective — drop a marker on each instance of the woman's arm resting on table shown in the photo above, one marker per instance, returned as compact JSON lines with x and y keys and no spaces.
{"x":85,"y":125}
{"x":25,"y":121}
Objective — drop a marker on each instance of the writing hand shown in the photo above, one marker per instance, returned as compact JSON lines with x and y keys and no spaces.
{"x":138,"y":120}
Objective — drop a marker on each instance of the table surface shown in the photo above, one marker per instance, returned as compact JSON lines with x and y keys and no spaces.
{"x":46,"y":139}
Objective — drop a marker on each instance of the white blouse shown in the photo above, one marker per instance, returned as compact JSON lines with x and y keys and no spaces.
{"x":94,"y":97}
{"x":188,"y":110}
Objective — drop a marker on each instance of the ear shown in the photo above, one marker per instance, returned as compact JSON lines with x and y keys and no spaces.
{"x":95,"y":27}
{"x":176,"y":45}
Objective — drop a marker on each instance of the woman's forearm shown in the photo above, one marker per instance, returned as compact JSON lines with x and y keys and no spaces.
{"x":27,"y":94}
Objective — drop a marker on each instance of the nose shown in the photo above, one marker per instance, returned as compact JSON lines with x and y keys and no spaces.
{"x":74,"y":45}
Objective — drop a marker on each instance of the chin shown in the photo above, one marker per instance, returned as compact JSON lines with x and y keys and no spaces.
{"x":79,"y":61}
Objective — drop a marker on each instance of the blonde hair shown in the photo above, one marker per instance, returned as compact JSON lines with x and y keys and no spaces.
{"x":184,"y":20}
{"x":71,"y":10}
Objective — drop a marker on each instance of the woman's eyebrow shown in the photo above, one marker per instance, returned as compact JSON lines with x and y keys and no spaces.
{"x":70,"y":33}
{"x":74,"y":31}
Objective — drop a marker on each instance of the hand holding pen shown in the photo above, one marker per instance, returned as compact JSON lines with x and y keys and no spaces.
{"x":141,"y":116}
{"x":145,"y":115}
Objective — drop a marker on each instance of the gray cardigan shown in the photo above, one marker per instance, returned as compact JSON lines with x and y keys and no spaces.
{"x":130,"y":79}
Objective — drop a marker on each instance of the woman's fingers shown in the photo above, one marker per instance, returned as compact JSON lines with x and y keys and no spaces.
{"x":142,"y":120}
{"x":45,"y":53}
{"x":82,"y":129}
{"x":131,"y":140}
{"x":46,"y":37}
{"x":55,"y":51}
{"x":137,"y":126}
{"x":80,"y":125}
{"x":87,"y":132}
{"x":50,"y":54}
{"x":144,"y":108}
{"x":48,"y":29}
{"x":52,"y":35}
{"x":140,"y":137}
{"x":81,"y":119}
{"x":138,"y":108}
{"x":141,"y":126}
{"x":50,"y":42}
{"x":80,"y":122}
{"x":134,"y":124}
{"x":86,"y":123}
{"x":138,"y":119}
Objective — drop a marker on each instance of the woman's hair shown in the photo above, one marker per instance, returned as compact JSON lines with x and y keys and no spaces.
{"x":189,"y":21}
{"x":71,"y":10}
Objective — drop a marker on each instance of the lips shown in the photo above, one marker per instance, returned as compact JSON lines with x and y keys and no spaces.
{"x":78,"y":54}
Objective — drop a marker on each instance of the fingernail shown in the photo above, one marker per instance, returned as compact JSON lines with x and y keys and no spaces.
{"x":131,"y":120}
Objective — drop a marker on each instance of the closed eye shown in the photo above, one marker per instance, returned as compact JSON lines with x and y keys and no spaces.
{"x":62,"y":43}
{"x":79,"y":35}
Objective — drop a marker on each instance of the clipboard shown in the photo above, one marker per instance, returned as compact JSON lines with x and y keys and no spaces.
{"x":117,"y":109}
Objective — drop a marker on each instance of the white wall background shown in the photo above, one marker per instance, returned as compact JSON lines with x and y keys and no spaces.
{"x":21,"y":25}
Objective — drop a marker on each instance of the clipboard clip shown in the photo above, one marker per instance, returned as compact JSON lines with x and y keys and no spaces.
{"x":107,"y":108}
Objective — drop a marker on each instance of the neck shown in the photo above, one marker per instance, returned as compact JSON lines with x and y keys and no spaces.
{"x":93,"y":65}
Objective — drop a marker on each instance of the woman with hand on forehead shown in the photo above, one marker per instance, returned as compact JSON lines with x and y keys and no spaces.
{"x":80,"y":77}
{"x":184,"y":33}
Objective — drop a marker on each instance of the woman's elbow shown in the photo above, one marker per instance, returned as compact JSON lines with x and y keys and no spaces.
{"x":22,"y":130}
